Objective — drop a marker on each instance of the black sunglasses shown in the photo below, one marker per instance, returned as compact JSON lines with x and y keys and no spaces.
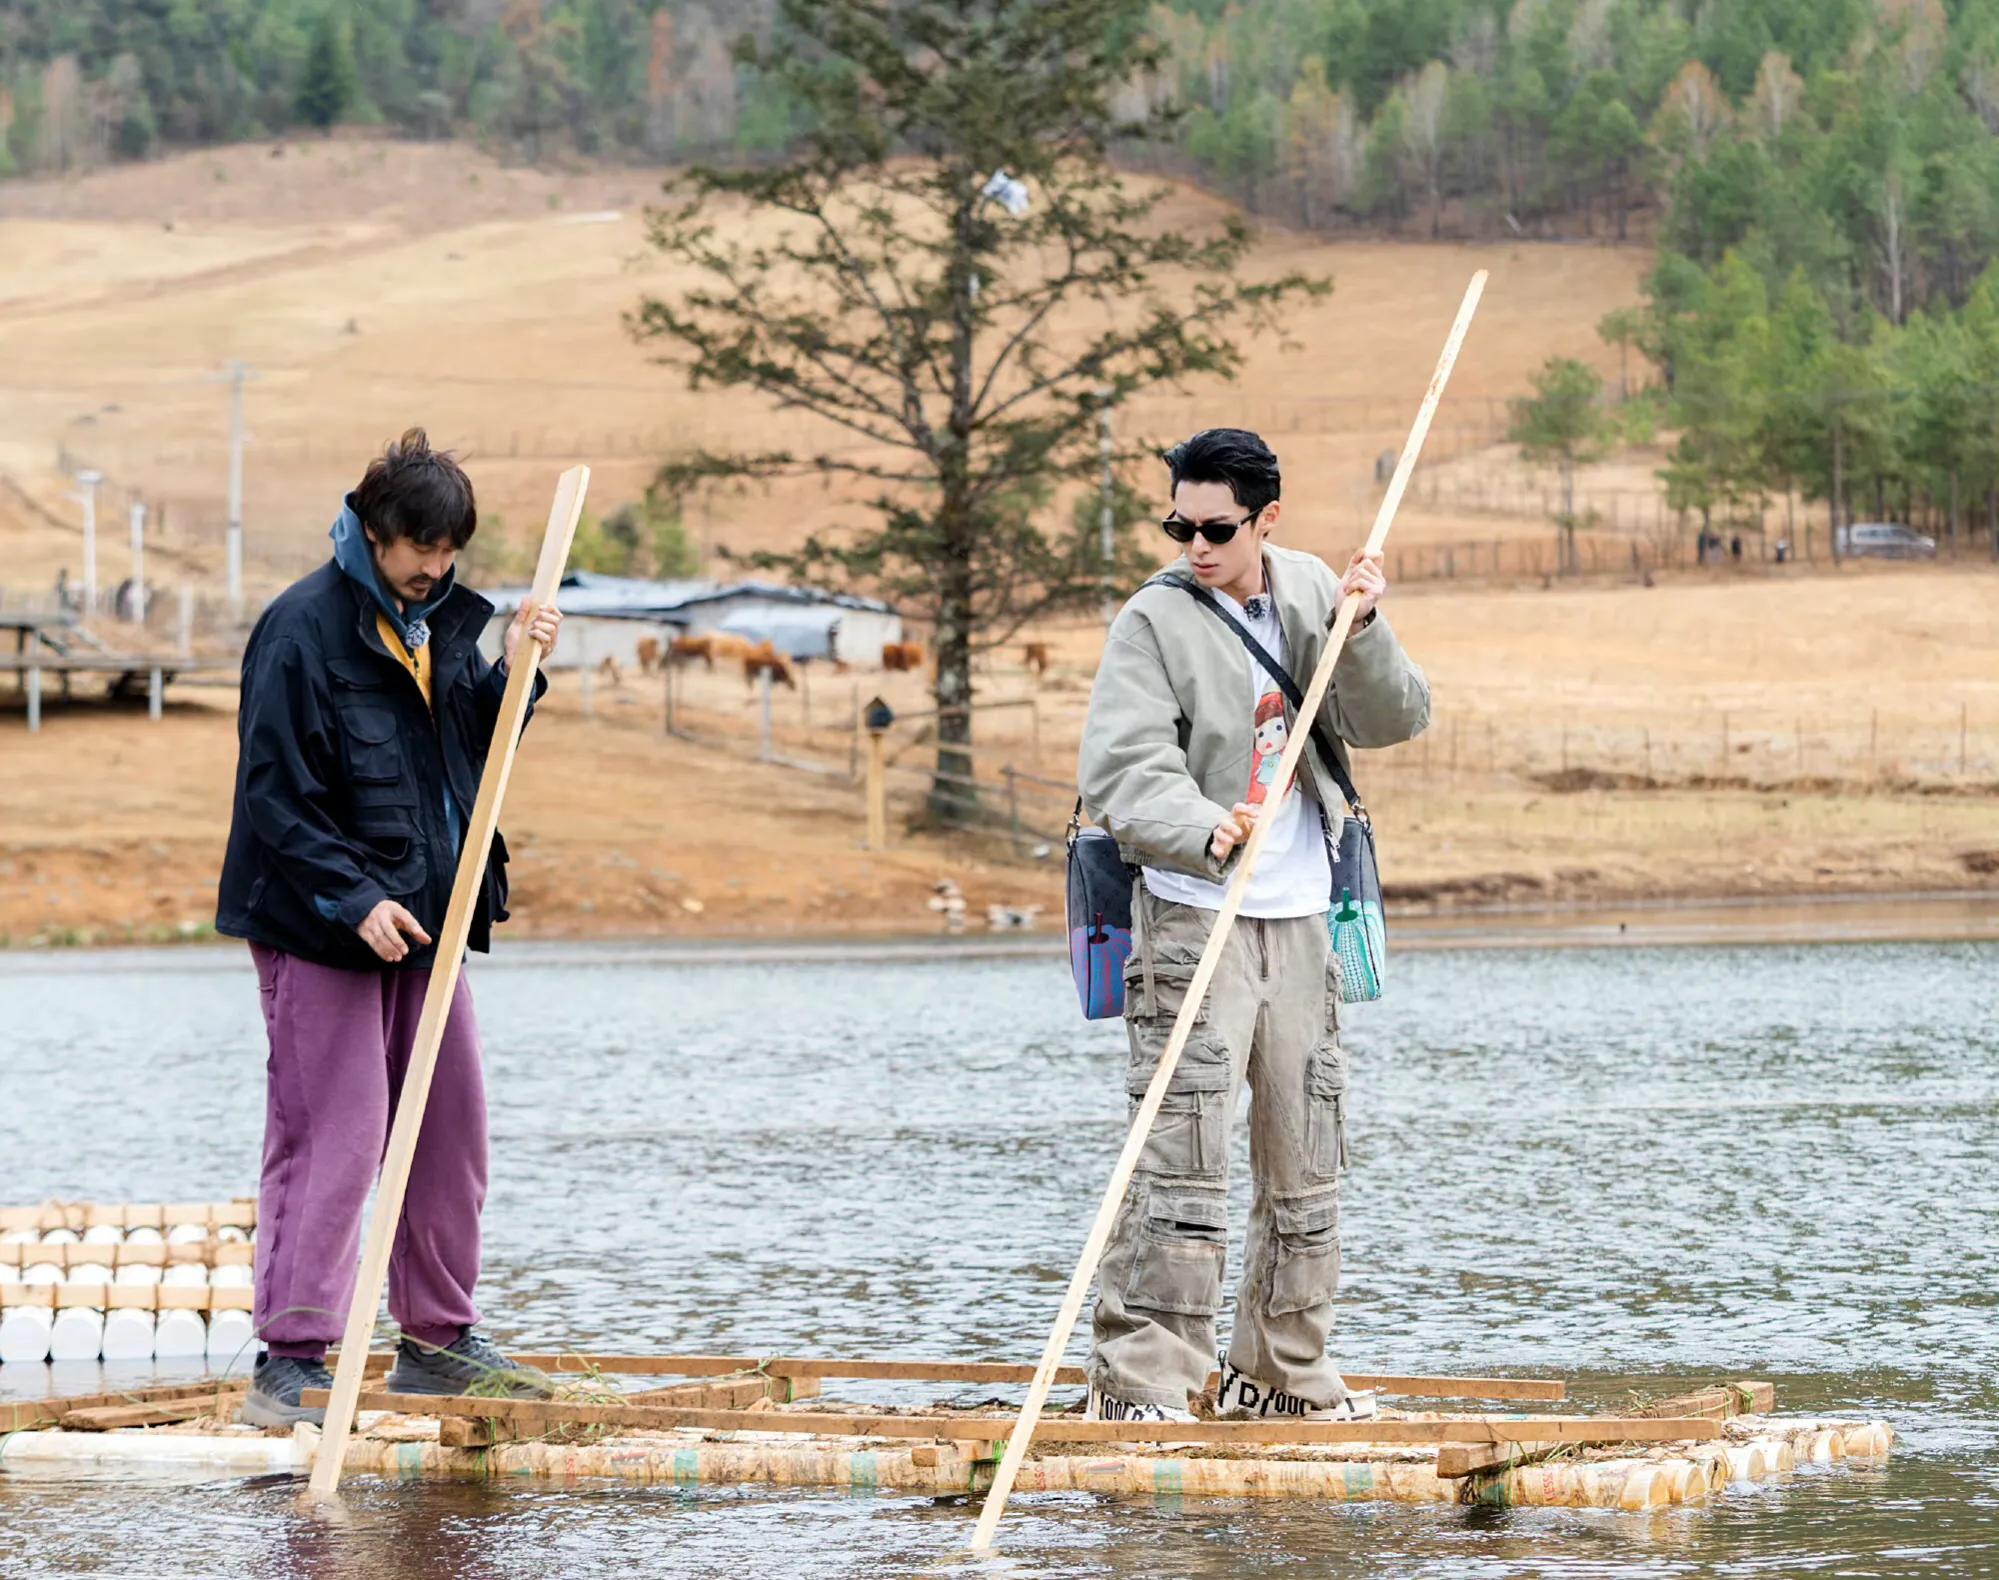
{"x":1216,"y":532}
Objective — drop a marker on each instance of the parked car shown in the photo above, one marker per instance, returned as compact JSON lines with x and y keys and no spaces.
{"x":1888,"y":540}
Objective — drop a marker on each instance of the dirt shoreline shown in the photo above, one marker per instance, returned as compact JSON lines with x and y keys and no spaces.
{"x":1745,"y":920}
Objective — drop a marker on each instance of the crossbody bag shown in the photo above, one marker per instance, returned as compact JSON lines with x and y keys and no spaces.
{"x":1354,"y":915}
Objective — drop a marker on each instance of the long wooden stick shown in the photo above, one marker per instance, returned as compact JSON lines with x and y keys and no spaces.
{"x":449,"y":959}
{"x":1155,"y":1094}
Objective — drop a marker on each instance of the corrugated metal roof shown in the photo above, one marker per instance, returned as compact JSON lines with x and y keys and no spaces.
{"x":592,"y":593}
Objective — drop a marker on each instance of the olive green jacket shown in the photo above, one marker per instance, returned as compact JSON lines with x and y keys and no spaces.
{"x":1168,"y":743}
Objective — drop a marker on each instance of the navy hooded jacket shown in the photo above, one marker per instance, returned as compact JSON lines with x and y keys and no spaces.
{"x":347,"y":785}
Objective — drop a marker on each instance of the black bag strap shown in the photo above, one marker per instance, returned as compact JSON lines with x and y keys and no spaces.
{"x":1282,"y":676}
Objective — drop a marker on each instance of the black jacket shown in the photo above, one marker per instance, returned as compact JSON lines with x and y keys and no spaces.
{"x":340,"y":775}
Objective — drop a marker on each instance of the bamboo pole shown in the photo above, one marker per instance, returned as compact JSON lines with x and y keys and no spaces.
{"x":450,"y":958}
{"x":1197,"y":990}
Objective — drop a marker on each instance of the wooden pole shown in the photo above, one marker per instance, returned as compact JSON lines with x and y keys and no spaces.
{"x":1204,"y":972}
{"x":763,"y":730}
{"x":877,"y":791}
{"x":450,"y":959}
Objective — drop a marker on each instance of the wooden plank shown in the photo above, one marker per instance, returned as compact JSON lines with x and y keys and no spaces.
{"x":1457,"y":1460}
{"x":376,"y":1365}
{"x":1721,"y":1402}
{"x":480,"y":825}
{"x":735,"y":1395}
{"x":24,"y":1413}
{"x":994,"y":1372}
{"x":106,"y":1418}
{"x":1480,"y":1429}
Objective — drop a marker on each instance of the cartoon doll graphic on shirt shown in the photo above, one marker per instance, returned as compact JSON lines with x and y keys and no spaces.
{"x":1271,"y":733}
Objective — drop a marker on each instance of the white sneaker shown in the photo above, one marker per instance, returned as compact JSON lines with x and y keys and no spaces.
{"x":1102,"y":1407}
{"x":1240,"y":1397}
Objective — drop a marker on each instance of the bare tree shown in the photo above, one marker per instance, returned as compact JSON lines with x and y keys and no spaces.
{"x":1427,"y":94}
{"x":1778,"y":91}
{"x":1891,"y":218}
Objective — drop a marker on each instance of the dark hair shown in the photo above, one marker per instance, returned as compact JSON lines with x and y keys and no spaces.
{"x":1227,"y":455}
{"x":412,"y":491}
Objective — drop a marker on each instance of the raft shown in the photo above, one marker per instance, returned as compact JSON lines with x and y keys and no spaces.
{"x":740,"y":1421}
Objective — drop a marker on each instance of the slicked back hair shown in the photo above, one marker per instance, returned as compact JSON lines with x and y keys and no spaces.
{"x":412,"y":491}
{"x":1227,"y":455}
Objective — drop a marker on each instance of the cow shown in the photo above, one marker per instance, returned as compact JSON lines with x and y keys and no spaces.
{"x":1034,"y":656}
{"x":648,"y":654}
{"x":902,"y":656}
{"x":685,"y":649}
{"x":610,"y":671}
{"x":765,"y":658}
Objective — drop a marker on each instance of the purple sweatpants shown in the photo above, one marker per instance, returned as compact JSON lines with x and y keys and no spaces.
{"x":340,"y":1041}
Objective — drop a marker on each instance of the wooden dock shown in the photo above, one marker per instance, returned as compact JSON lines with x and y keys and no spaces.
{"x":40,"y":650}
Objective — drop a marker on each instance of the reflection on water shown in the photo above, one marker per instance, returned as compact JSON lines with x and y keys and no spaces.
{"x":1617,"y":1166}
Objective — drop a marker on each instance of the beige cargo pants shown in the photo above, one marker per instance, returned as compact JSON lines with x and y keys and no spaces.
{"x":1271,"y":1016}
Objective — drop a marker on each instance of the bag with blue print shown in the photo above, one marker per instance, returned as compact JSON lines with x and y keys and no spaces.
{"x":1099,"y":918}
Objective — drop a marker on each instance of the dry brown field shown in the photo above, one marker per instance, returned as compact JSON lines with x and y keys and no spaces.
{"x":1720,"y":733}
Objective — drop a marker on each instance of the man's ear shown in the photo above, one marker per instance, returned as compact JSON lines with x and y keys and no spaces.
{"x":1271,"y":512}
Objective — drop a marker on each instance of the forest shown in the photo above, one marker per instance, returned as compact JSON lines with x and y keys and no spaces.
{"x":1819,"y":178}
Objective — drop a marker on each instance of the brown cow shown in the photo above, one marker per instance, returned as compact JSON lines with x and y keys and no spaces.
{"x":685,"y":649}
{"x":902,"y":656}
{"x":648,"y":654}
{"x":1034,"y":655}
{"x":764,"y":657}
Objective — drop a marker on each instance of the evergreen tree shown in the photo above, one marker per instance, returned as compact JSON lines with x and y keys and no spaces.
{"x":1563,"y":421}
{"x":327,"y":85}
{"x":964,"y":329}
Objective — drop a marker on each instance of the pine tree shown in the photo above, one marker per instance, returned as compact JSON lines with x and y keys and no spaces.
{"x":328,"y":82}
{"x":1562,"y":422}
{"x":966,"y":327}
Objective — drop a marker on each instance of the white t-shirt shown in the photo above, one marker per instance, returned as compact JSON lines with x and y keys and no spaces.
{"x":1293,"y":875}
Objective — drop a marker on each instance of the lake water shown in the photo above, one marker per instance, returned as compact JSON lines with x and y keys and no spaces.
{"x":1626,"y":1167}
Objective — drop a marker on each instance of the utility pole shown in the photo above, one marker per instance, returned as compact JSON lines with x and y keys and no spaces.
{"x":1838,"y":477}
{"x":1107,"y":518}
{"x":88,"y":480}
{"x":238,"y":372}
{"x":138,"y":608}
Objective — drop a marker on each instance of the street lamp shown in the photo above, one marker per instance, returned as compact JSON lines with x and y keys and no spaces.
{"x":87,"y":480}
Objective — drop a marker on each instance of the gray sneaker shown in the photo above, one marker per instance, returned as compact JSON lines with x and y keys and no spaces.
{"x":471,"y":1363}
{"x":274,"y":1389}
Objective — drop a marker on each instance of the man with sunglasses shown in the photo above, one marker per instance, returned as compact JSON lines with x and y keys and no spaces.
{"x":1177,"y":762}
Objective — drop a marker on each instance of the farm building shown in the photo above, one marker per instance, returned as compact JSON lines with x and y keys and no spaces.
{"x":608,"y":616}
